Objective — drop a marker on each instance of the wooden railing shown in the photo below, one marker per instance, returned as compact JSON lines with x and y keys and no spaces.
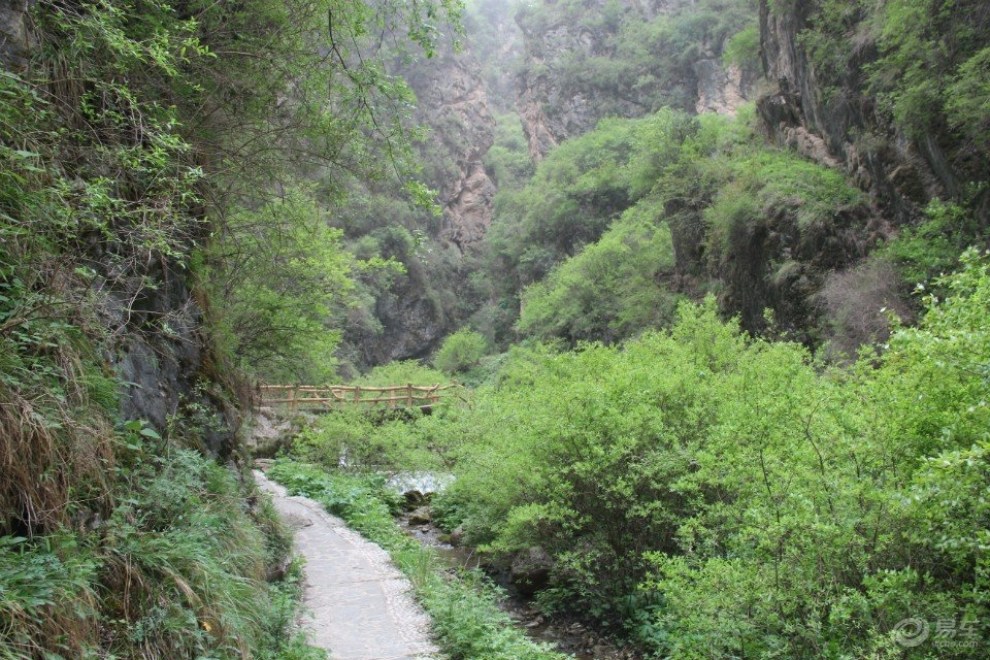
{"x":338,"y":396}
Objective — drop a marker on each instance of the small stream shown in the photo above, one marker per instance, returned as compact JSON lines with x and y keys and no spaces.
{"x":566,"y":636}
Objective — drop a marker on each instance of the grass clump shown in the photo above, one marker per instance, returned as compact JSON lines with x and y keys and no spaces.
{"x":466,"y":618}
{"x":176,"y":569}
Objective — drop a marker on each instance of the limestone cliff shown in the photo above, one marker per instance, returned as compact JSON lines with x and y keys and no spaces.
{"x":837,"y":122}
{"x":453,"y":103}
{"x":599,"y":58}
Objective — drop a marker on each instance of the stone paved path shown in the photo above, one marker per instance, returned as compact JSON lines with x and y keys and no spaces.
{"x":359,"y":606}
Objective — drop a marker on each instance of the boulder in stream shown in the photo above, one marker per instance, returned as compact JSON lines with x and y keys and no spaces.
{"x":421,"y":516}
{"x":530,"y":570}
{"x":413,"y":499}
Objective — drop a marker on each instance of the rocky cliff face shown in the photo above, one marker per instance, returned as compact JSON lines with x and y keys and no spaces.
{"x":836,"y":115}
{"x":453,"y":102}
{"x":561,"y":95}
{"x":844,"y":130}
{"x":721,"y":89}
{"x":551,"y":113}
{"x":15,"y":37}
{"x":495,"y":42}
{"x":149,"y":326}
{"x":161,"y":353}
{"x":419,"y":308}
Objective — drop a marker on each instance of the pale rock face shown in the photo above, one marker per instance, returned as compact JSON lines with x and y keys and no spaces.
{"x":550,"y":113}
{"x":470,"y":211}
{"x":454,"y":102}
{"x":720,"y":90}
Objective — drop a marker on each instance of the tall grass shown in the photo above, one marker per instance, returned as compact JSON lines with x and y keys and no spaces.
{"x":176,"y":570}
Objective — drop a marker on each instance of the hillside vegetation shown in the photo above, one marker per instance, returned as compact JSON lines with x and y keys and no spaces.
{"x":711,"y":278}
{"x":161,"y":241}
{"x":617,"y":223}
{"x":714,"y":495}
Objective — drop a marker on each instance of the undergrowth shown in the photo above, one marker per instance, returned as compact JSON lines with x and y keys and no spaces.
{"x":466,"y":618}
{"x":177,"y":569}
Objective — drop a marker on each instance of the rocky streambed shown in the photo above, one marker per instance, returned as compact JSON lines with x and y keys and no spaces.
{"x":526,"y":574}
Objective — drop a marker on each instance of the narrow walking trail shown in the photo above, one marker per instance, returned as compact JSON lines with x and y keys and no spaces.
{"x":359,"y":606}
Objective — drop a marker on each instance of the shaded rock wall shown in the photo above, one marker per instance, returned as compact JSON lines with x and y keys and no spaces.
{"x":160,"y":351}
{"x":15,"y":35}
{"x":555,"y":105}
{"x":900,"y":174}
{"x":154,"y":339}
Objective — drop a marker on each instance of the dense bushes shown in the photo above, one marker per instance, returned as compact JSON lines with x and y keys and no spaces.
{"x":617,"y":223}
{"x":611,"y":289}
{"x":720,"y":495}
{"x":460,"y":351}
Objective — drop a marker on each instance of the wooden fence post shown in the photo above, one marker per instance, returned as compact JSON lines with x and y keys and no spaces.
{"x":292,"y":399}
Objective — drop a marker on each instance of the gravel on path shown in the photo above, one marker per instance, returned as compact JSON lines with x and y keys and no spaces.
{"x":358,"y":605}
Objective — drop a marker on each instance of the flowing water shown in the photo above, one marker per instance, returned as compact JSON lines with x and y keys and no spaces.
{"x":567,"y":636}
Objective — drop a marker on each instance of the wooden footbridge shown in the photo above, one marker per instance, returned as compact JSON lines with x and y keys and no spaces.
{"x":335,"y":397}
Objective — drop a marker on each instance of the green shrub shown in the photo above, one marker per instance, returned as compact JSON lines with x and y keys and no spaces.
{"x":612,"y":289}
{"x":720,"y":495}
{"x":460,"y":351}
{"x":932,"y":248}
{"x":336,"y":437}
{"x":402,"y":373}
{"x":743,"y":48}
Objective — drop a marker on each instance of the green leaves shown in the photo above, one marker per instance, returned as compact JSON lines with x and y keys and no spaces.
{"x":278,"y":275}
{"x":747,"y":499}
{"x":460,"y":351}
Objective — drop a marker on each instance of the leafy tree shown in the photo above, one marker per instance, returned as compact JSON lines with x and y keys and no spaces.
{"x":609,"y":291}
{"x":276,"y":311}
{"x":460,"y":351}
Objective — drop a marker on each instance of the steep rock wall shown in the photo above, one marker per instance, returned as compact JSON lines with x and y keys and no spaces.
{"x":559,"y":98}
{"x":161,"y":352}
{"x":420,"y":307}
{"x":843,"y":128}
{"x":453,"y":102}
{"x":154,"y":338}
